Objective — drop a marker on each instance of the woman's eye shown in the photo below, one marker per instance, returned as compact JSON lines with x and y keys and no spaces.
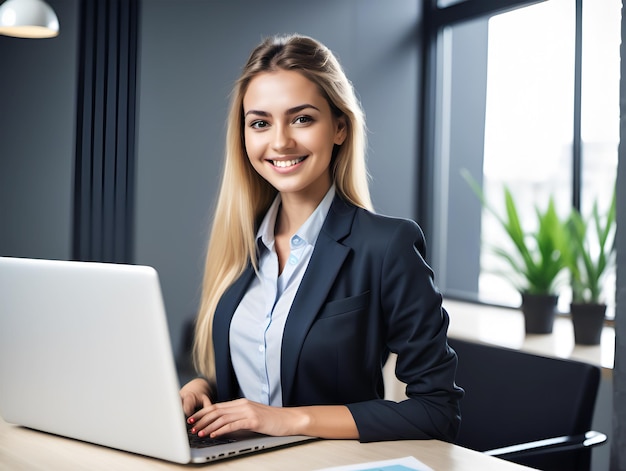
{"x":302,"y":120}
{"x":258,"y":124}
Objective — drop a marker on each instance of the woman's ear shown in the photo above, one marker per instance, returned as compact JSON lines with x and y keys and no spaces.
{"x":341,"y":131}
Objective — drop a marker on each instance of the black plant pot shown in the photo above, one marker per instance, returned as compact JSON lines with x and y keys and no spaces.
{"x":588,"y":320}
{"x":539,"y":312}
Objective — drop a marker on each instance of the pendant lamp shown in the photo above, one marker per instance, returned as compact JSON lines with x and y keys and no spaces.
{"x":28,"y":19}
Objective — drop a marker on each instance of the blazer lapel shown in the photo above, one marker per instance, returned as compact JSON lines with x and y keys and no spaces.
{"x":227,"y":386}
{"x":328,"y":257}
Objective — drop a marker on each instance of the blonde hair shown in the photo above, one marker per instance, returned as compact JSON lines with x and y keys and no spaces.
{"x":244,"y":196}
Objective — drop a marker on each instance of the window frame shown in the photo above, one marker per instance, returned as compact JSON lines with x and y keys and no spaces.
{"x":436,"y":20}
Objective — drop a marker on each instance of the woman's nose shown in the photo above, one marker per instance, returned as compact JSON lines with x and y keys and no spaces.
{"x":282,"y":138}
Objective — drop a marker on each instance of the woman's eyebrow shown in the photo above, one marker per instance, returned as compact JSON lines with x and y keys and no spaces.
{"x":298,"y":109}
{"x":257,"y":112}
{"x":290,"y":111}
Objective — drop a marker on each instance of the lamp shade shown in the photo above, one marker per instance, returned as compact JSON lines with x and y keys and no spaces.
{"x":28,"y":19}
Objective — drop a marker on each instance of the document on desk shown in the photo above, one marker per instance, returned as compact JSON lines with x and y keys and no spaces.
{"x":408,"y":463}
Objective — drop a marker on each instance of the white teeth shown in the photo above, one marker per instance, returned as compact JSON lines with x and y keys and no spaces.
{"x":286,"y":163}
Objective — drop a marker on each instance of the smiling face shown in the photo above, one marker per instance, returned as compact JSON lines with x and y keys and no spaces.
{"x":290,"y":133}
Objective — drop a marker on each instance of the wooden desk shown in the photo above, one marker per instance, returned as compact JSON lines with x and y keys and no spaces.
{"x":24,"y":449}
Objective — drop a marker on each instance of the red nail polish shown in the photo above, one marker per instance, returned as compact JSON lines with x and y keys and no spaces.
{"x":201,"y":433}
{"x":193,"y":430}
{"x":191,"y":420}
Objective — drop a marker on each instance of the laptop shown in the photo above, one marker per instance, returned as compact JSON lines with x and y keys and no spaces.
{"x":85,"y":353}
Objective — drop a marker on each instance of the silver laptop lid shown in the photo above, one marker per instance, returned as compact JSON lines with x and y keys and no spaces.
{"x":75,"y":337}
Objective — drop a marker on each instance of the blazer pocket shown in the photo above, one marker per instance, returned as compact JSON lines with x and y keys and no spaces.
{"x":345,"y":306}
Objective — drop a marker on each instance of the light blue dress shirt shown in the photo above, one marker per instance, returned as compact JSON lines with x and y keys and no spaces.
{"x":256,"y":330}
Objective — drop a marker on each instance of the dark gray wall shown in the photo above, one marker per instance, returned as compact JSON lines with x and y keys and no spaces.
{"x":618,"y":438}
{"x":191,"y":52}
{"x":37,"y":110}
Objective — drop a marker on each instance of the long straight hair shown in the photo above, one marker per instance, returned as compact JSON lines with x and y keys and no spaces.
{"x":244,"y":196}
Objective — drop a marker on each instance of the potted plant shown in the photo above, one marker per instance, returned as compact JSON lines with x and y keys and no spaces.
{"x":535,"y":260}
{"x":588,"y":260}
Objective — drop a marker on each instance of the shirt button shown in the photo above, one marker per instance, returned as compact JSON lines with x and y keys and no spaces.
{"x":293,"y":259}
{"x":261,"y":348}
{"x":296,"y":241}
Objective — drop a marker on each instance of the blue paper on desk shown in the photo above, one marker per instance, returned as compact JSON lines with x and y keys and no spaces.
{"x":408,"y":463}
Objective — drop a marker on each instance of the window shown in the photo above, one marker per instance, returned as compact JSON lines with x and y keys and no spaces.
{"x":508,"y":108}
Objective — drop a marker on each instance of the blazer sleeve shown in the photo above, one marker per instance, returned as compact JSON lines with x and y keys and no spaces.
{"x":417,"y":328}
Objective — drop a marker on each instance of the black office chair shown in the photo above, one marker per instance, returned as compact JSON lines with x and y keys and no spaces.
{"x":526,"y":408}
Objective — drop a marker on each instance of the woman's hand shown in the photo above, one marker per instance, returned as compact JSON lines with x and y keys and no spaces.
{"x":195,"y":395}
{"x":241,"y":414}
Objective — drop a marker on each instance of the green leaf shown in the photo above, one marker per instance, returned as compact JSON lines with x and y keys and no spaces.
{"x":588,"y":263}
{"x":537,"y":258}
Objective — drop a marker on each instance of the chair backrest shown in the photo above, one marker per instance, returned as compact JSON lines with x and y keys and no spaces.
{"x":514,"y":397}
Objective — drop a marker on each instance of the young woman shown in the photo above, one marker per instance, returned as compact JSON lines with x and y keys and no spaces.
{"x":306,"y":290}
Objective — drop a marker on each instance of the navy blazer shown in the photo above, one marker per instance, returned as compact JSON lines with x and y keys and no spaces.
{"x":367,"y":291}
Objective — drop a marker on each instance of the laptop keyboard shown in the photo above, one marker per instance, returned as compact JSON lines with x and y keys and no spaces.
{"x":204,"y":442}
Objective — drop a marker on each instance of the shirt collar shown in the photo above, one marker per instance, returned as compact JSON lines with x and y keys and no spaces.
{"x":266,"y":229}
{"x":308,"y":231}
